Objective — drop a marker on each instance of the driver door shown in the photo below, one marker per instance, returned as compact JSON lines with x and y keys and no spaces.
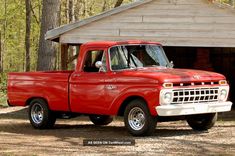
{"x":87,"y":88}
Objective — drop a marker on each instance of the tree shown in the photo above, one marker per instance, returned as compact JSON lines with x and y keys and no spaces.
{"x":71,"y":16}
{"x":118,"y":3}
{"x":27,"y":35}
{"x":1,"y":52}
{"x":47,"y":49}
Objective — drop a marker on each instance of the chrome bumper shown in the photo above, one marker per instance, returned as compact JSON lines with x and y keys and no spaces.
{"x":194,"y":108}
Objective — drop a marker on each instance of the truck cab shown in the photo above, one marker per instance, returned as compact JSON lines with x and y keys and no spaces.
{"x":133,"y":79}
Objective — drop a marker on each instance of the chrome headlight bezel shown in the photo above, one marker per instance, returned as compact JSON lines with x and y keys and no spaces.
{"x":223,"y":93}
{"x":166,"y":96}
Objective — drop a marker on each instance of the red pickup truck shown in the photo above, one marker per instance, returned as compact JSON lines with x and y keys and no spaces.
{"x":133,"y":79}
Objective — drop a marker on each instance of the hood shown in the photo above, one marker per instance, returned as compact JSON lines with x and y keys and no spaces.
{"x":176,"y":75}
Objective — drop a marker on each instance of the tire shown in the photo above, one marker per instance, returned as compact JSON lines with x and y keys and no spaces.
{"x":101,"y":119}
{"x":202,"y":122}
{"x":138,"y":120}
{"x":40,"y":116}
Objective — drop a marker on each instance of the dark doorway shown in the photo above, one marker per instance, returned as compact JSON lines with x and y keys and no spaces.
{"x":221,"y":60}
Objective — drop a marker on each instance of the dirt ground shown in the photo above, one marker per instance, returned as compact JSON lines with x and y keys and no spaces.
{"x":17,"y":137}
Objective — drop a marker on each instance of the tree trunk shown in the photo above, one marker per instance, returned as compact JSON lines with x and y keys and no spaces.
{"x":71,"y":18}
{"x":1,"y":52}
{"x":3,"y":46}
{"x":77,"y":7}
{"x":47,"y":49}
{"x":104,"y":6}
{"x":71,"y":11}
{"x":27,"y":35}
{"x":118,"y":3}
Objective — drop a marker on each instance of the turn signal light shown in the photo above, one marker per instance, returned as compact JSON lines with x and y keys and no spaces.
{"x":168,"y":85}
{"x":223,"y":82}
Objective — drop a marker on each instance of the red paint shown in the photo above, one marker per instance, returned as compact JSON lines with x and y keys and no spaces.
{"x":88,"y":93}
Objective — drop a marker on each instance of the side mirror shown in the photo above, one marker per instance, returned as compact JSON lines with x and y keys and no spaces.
{"x":171,"y":64}
{"x":98,"y":64}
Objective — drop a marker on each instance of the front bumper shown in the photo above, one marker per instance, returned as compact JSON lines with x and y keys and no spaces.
{"x":194,"y":108}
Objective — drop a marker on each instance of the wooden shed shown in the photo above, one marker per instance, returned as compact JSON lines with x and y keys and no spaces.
{"x":195,"y":33}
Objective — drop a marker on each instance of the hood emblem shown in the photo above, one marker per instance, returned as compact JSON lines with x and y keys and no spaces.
{"x":197,"y":77}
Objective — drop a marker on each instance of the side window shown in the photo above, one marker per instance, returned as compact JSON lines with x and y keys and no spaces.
{"x":104,"y":68}
{"x":118,"y":57}
{"x":91,"y":58}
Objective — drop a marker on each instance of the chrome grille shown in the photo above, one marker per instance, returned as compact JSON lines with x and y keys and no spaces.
{"x":196,"y":95}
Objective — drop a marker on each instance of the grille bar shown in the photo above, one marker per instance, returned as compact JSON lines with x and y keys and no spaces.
{"x":197,"y":95}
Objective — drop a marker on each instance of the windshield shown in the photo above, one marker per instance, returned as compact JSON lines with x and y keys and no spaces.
{"x":134,"y":56}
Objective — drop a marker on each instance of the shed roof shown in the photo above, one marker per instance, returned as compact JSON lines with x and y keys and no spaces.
{"x":171,"y":22}
{"x":55,"y":33}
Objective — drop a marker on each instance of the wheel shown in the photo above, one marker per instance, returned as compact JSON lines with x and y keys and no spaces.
{"x":202,"y":122}
{"x":138,"y":120}
{"x":40,"y":116}
{"x":101,"y":119}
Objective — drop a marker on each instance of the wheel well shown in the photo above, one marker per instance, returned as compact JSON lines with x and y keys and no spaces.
{"x":32,"y":98}
{"x":126,"y":102}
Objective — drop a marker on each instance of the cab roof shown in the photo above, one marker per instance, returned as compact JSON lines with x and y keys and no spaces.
{"x":114,"y":43}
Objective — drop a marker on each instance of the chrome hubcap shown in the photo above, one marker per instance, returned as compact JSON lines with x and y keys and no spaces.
{"x":136,"y":118}
{"x":37,"y":113}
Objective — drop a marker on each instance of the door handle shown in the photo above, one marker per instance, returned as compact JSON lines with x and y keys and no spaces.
{"x":111,"y":87}
{"x":76,"y":75}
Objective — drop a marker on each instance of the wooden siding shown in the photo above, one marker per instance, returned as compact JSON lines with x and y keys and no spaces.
{"x":171,"y":22}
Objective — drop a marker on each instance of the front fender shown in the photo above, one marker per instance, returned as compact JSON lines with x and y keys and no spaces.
{"x":149,"y":94}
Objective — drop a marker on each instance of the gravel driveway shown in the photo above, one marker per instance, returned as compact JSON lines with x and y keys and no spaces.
{"x":17,"y":137}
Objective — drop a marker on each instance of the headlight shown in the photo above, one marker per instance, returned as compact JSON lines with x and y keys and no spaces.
{"x":166,"y":97}
{"x":223,"y":95}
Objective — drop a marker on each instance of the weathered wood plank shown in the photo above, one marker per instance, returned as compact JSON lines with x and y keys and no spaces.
{"x":125,"y":18}
{"x":158,"y":6}
{"x":155,"y":7}
{"x":94,"y":32}
{"x":180,"y":2}
{"x":159,"y":26}
{"x":195,"y":42}
{"x":165,"y":33}
{"x":195,"y":19}
{"x":179,"y":33}
{"x":184,"y":12}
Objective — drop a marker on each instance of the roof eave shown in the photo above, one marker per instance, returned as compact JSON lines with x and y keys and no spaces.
{"x":54,"y":34}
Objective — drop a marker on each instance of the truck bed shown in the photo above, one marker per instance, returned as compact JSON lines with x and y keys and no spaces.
{"x":52,"y":86}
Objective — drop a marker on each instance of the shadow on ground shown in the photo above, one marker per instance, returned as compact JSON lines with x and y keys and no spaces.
{"x":17,"y":113}
{"x":17,"y":122}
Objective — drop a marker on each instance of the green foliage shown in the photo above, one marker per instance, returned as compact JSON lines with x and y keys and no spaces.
{"x":229,"y":2}
{"x":3,"y":84}
{"x":3,"y":89}
{"x":12,"y":27}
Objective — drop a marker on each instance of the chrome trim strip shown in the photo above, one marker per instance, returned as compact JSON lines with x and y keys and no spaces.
{"x":195,"y":95}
